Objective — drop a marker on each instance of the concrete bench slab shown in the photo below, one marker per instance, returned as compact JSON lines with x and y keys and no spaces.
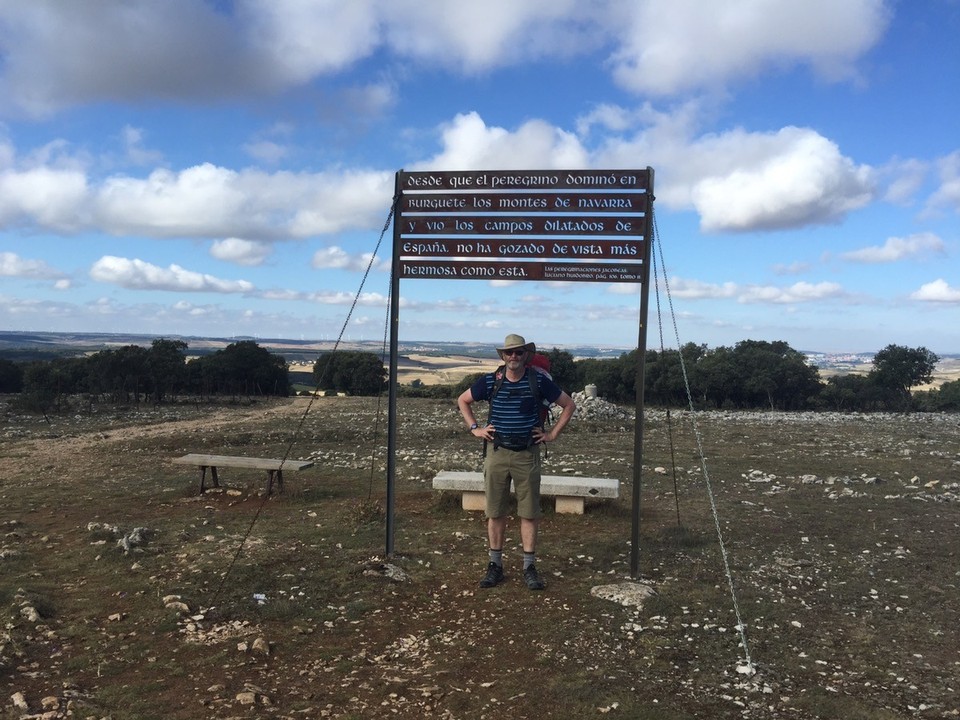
{"x":273,"y":466}
{"x":570,"y":491}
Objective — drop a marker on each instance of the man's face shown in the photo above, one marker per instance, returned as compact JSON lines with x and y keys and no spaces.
{"x":514,"y":358}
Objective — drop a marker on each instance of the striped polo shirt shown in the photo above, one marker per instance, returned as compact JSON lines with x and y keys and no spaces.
{"x":514,"y":410}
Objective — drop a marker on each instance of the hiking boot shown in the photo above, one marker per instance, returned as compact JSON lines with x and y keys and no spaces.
{"x":532,"y":578}
{"x":493,"y":577}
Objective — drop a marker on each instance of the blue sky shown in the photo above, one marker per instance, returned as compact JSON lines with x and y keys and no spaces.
{"x":201,"y":167}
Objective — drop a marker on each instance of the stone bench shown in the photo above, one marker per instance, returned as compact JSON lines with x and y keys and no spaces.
{"x":569,"y":491}
{"x":274,"y":467}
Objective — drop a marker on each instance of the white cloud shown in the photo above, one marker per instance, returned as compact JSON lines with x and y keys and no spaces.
{"x":58,"y":54}
{"x":790,"y":178}
{"x":347,"y":298}
{"x":937,"y":291}
{"x":479,"y":36}
{"x":737,"y":180}
{"x":139,"y":275}
{"x":333,"y":202}
{"x":469,"y":143}
{"x":300,"y":40}
{"x":203,"y":200}
{"x":136,"y":153}
{"x":266,"y":151}
{"x":795,"y":268}
{"x":12,"y":265}
{"x":668,"y":46}
{"x":211,"y":201}
{"x":54,"y":198}
{"x":696,"y":290}
{"x":948,"y":194}
{"x":896,"y":248}
{"x":241,"y":252}
{"x":905,"y":179}
{"x":797,"y":293}
{"x":336,"y":258}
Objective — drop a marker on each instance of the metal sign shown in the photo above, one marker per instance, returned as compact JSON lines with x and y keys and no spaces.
{"x":540,"y":225}
{"x":564,"y":225}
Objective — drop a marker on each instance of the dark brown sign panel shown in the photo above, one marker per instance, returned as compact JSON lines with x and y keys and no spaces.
{"x":624,"y":250}
{"x":508,"y":224}
{"x":526,"y":180}
{"x":512,"y":270}
{"x":557,"y":202}
{"x":512,"y":225}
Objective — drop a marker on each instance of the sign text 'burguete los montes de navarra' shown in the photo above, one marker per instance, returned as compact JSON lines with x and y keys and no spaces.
{"x":576,"y":225}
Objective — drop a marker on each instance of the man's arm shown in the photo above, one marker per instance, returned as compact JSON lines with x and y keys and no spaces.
{"x":465,"y":403}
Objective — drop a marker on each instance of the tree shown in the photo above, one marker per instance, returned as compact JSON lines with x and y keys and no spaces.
{"x":251,"y":369}
{"x":11,"y":376}
{"x":166,"y":363}
{"x":948,"y":396}
{"x":844,"y":393}
{"x":350,"y":371}
{"x":896,"y":369}
{"x":563,"y":369}
{"x":775,"y":375}
{"x":608,"y":376}
{"x":900,"y":368}
{"x":719,"y":382}
{"x":41,"y":387}
{"x":664,"y":375}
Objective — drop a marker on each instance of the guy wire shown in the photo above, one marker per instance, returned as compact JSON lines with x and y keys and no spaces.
{"x":296,"y":433}
{"x":741,"y":627}
{"x":663,"y":364}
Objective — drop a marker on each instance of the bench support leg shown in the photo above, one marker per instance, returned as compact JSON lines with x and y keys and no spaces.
{"x":571,"y":505}
{"x":473,"y":500}
{"x":213,"y":477}
{"x":271,"y":475}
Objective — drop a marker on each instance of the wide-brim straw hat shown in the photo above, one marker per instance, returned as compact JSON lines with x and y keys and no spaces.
{"x":513,"y":342}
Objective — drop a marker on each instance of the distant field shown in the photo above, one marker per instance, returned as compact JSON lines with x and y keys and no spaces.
{"x":431,"y":370}
{"x":947,"y":370}
{"x":428,"y":369}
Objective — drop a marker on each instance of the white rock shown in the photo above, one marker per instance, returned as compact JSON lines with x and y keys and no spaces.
{"x":627,"y":593}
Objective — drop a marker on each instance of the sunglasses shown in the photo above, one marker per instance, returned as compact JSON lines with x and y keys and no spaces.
{"x":514,"y":353}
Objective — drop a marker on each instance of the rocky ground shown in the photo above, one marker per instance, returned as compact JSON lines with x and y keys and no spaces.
{"x":790,"y":566}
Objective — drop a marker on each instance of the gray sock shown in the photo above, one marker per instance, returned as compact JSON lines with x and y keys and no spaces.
{"x":496,"y":556}
{"x":528,"y":559}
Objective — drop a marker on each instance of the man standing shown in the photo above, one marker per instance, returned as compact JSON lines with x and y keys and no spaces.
{"x":512,"y":438}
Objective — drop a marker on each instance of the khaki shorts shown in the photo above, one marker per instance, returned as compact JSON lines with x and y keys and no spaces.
{"x":523,"y":467}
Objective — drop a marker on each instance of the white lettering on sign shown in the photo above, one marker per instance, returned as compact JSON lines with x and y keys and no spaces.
{"x":435,"y":248}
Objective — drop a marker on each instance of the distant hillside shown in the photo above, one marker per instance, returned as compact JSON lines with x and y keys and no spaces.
{"x":32,"y":346}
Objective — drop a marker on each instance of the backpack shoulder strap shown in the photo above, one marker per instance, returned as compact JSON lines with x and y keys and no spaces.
{"x":498,"y":377}
{"x":534,"y":384}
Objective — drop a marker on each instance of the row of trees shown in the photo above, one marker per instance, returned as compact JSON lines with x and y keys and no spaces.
{"x":771,"y":375}
{"x":757,"y":374}
{"x":134,"y":374}
{"x":751,"y":374}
